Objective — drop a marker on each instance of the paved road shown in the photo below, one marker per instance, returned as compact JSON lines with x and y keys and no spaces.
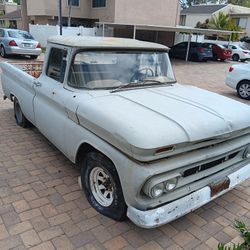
{"x":41,"y":206}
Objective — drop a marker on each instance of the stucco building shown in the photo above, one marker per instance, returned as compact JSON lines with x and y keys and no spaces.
{"x":199,"y":13}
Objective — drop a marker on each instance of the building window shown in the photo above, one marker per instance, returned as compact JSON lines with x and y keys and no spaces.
{"x":98,"y":3}
{"x":74,"y":3}
{"x":183,"y":20}
{"x":241,"y":22}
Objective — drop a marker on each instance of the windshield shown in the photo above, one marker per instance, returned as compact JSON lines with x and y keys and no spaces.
{"x":20,"y":34}
{"x":118,"y":69}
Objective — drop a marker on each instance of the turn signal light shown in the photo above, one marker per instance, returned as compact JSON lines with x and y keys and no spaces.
{"x":231,"y":69}
{"x":12,"y":43}
{"x":38,"y":46}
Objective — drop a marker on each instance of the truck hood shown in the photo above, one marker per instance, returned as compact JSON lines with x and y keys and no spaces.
{"x":151,"y":118}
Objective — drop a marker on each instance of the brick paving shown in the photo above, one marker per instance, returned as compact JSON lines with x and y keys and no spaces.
{"x":42,"y":207}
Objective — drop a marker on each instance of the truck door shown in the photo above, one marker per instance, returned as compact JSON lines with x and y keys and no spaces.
{"x":49,"y":105}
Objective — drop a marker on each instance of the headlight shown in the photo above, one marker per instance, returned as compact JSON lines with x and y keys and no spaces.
{"x":247,"y":153}
{"x":171,"y":184}
{"x":157,"y":190}
{"x":157,"y":186}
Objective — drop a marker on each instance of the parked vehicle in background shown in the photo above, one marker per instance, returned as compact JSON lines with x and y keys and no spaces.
{"x":238,"y":78}
{"x":219,"y":51}
{"x":147,"y":147}
{"x":18,"y":42}
{"x":197,"y":51}
{"x":238,"y":53}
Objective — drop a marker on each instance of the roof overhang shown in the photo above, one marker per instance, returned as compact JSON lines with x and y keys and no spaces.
{"x":180,"y":29}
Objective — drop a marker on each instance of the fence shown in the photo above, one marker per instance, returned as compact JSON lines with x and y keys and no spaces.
{"x":42,"y":32}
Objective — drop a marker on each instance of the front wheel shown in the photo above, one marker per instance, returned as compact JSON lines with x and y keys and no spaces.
{"x":243,"y":90}
{"x":102,"y":187}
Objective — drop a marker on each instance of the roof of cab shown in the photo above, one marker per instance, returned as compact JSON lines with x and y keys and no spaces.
{"x":104,"y":42}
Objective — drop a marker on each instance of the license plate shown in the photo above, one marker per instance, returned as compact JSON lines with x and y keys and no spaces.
{"x":27,"y":45}
{"x":219,"y":186}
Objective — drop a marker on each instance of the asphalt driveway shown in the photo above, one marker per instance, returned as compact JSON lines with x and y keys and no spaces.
{"x":42,"y":207}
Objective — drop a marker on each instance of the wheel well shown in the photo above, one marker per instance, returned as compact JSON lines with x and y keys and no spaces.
{"x":245,"y":80}
{"x":83,"y":150}
{"x":12,"y":97}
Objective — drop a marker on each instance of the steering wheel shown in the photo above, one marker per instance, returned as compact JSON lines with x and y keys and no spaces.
{"x":140,"y":76}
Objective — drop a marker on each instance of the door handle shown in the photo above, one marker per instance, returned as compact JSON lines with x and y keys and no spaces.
{"x":37,"y":83}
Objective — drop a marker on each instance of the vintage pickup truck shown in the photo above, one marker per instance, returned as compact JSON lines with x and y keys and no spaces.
{"x":148,"y":148}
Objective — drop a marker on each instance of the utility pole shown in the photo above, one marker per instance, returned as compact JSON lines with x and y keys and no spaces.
{"x":60,"y":15}
{"x":25,"y":19}
{"x":69,"y":16}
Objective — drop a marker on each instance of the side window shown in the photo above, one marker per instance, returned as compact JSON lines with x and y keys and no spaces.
{"x":1,"y":33}
{"x":233,"y":47}
{"x":181,"y":45}
{"x":57,"y":64}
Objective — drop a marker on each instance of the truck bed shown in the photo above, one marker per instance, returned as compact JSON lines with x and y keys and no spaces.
{"x":34,"y":69}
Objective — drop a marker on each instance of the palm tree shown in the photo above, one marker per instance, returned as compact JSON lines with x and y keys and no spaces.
{"x":219,"y":22}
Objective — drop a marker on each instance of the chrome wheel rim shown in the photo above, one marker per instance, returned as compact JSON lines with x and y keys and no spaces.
{"x":244,"y":90}
{"x":101,"y":186}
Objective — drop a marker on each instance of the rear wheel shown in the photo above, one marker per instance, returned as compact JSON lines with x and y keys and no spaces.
{"x":235,"y":57}
{"x":102,"y":186}
{"x":19,"y":116}
{"x":33,"y":57}
{"x":243,"y":90}
{"x":194,"y":57}
{"x":2,"y":52}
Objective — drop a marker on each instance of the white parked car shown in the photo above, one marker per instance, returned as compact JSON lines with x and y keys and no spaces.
{"x":147,"y":147}
{"x":238,"y":78}
{"x":238,"y":53}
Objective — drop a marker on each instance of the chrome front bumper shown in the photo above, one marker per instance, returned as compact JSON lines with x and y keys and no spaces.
{"x":171,"y":211}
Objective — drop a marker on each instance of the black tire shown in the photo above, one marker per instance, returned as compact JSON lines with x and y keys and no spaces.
{"x":33,"y":57}
{"x":19,"y":116}
{"x":235,"y":57}
{"x":243,"y":90}
{"x":194,"y":57}
{"x":2,"y":52}
{"x":93,"y":162}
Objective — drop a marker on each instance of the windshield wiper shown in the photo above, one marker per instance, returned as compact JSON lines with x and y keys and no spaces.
{"x":122,"y":86}
{"x":141,"y":83}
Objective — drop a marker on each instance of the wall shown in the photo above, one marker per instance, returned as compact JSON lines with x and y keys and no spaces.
{"x":42,"y":32}
{"x":154,"y":12}
{"x":106,"y":14}
{"x":193,"y":19}
{"x":50,"y":8}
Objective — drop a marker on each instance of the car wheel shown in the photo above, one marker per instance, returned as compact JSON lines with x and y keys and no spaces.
{"x":243,"y":90}
{"x":19,"y":116}
{"x":194,"y":57}
{"x":235,"y":57}
{"x":2,"y":52}
{"x":102,"y":186}
{"x":33,"y":57}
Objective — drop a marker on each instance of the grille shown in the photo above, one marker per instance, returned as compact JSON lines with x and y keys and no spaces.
{"x":208,"y":165}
